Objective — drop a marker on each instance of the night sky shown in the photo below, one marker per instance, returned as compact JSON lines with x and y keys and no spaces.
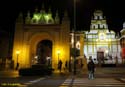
{"x":114,"y":11}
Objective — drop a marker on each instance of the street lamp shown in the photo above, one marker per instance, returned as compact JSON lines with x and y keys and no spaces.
{"x":74,"y":37}
{"x":58,"y":52}
{"x":17,"y":53}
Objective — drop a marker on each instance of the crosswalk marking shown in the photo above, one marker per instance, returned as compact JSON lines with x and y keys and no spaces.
{"x":37,"y":80}
{"x":98,"y":82}
{"x":31,"y":82}
{"x":123,"y":79}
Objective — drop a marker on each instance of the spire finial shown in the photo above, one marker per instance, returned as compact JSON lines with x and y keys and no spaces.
{"x":43,"y":6}
{"x":28,"y":18}
{"x":36,"y":9}
{"x":20,"y":17}
{"x":57,"y":18}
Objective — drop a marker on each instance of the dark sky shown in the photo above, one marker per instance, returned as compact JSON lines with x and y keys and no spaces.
{"x":114,"y":11}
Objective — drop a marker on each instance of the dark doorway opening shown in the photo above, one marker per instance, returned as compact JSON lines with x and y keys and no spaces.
{"x":100,"y":58}
{"x":44,"y":52}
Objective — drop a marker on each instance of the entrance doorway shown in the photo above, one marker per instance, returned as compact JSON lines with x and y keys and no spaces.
{"x":100,"y":57}
{"x":44,"y":52}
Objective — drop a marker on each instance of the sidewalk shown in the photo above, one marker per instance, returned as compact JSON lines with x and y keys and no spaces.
{"x":110,"y":70}
{"x":9,"y":73}
{"x":104,"y":72}
{"x":99,"y":71}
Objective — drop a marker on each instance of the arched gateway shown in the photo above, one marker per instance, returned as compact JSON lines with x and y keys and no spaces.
{"x":41,"y":40}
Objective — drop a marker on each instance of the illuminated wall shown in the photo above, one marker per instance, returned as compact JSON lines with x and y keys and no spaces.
{"x":122,"y":43}
{"x":30,"y":33}
{"x":99,"y":38}
{"x":77,"y":40}
{"x":41,"y":26}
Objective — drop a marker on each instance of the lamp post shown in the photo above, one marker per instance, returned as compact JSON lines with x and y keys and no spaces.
{"x":58,"y":52}
{"x":74,"y":72}
{"x":17,"y":53}
{"x":117,"y":50}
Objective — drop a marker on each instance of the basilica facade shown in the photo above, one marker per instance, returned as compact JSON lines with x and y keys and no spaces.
{"x":102,"y":44}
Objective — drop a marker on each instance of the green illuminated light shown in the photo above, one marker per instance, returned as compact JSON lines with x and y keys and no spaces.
{"x":42,"y":18}
{"x":37,"y":16}
{"x":47,"y":17}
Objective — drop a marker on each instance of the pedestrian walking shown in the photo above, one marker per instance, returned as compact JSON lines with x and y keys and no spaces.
{"x":66,"y":66}
{"x":60,"y":65}
{"x":17,"y":66}
{"x":91,"y":68}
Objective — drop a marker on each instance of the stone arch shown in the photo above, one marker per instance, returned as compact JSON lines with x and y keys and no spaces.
{"x":35,"y":39}
{"x":44,"y":52}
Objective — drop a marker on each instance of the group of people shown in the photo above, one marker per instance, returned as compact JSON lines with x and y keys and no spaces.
{"x":60,"y":65}
{"x":90,"y":66}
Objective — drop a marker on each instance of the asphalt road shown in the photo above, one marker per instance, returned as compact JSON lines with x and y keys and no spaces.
{"x":106,"y":77}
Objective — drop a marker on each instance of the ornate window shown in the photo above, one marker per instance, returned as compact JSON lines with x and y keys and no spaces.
{"x":101,"y":36}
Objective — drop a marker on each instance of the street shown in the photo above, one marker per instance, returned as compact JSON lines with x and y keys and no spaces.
{"x":106,"y":77}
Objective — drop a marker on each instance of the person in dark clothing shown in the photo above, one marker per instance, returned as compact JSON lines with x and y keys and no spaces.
{"x":91,"y":68}
{"x":17,"y":66}
{"x":66,"y":65}
{"x":60,"y":65}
